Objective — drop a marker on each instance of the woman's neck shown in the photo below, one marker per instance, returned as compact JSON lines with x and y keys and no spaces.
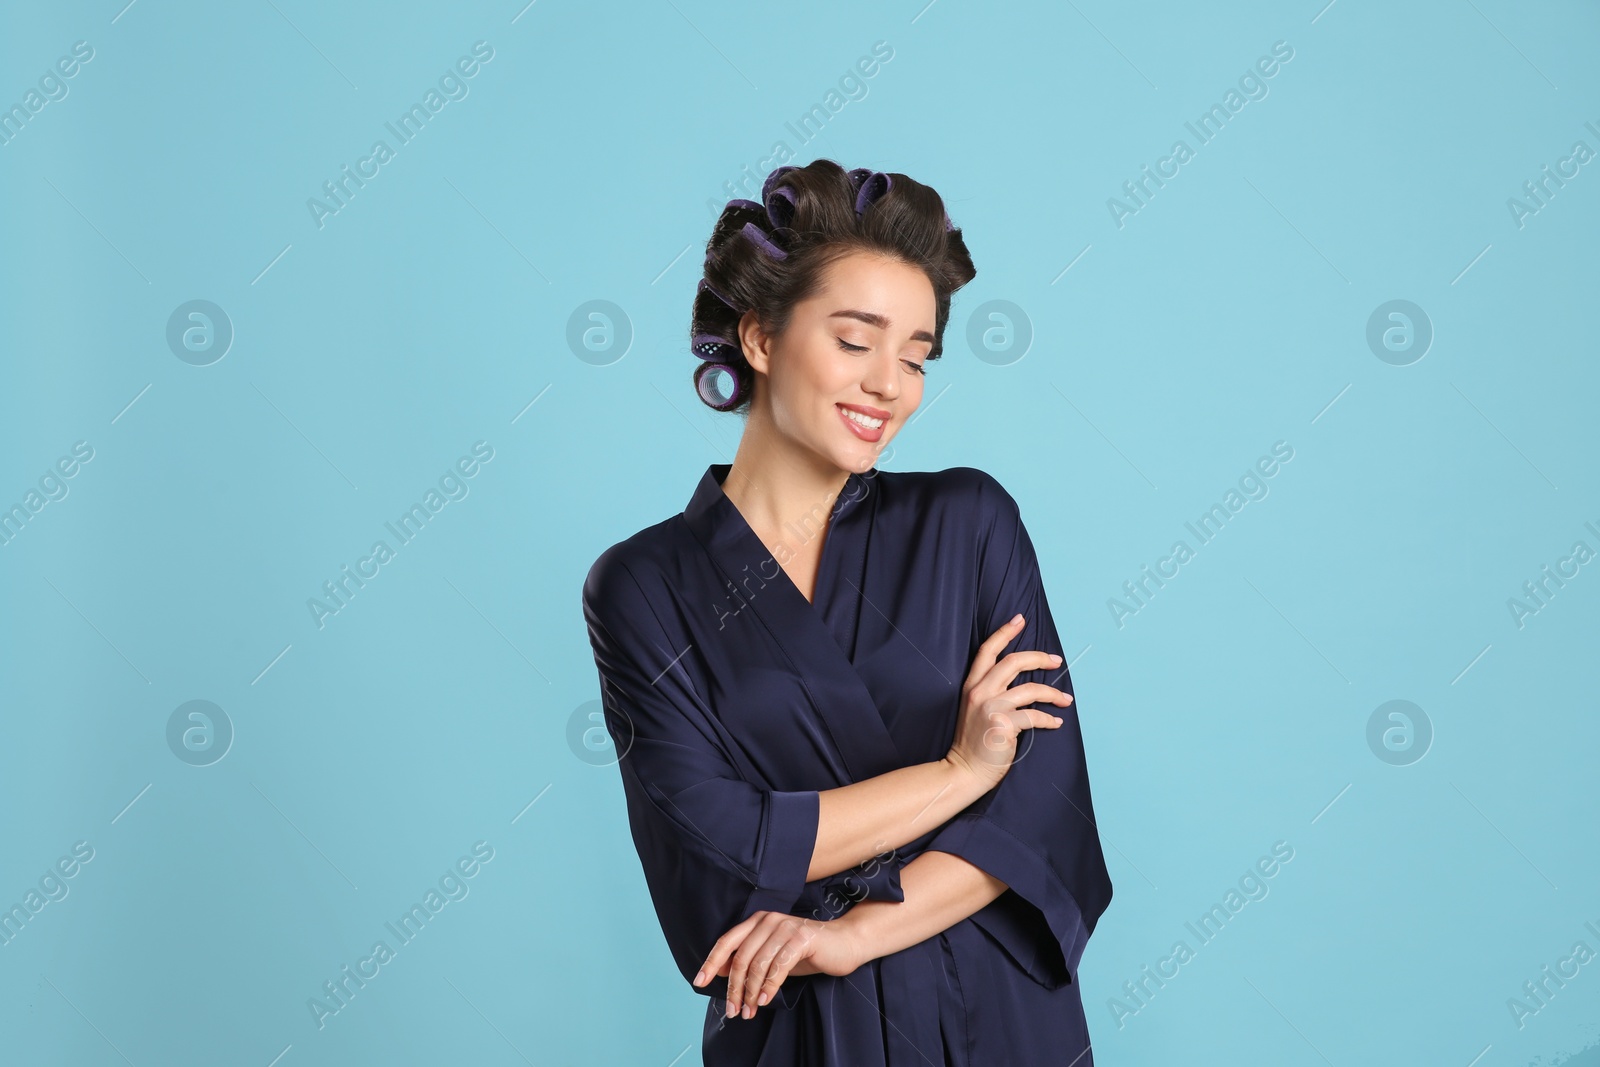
{"x":786,"y":495}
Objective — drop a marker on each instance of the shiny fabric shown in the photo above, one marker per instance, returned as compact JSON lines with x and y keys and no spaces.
{"x":733,"y":701}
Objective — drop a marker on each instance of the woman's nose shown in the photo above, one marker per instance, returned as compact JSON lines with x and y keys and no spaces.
{"x":881,"y":381}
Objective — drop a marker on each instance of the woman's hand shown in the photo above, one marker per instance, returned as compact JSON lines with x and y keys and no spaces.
{"x":991,"y":708}
{"x":759,"y":953}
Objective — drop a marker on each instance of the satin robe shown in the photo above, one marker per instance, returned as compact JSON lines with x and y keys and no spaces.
{"x":732,"y":701}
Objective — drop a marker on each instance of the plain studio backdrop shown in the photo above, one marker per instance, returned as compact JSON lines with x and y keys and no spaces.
{"x":284,"y":282}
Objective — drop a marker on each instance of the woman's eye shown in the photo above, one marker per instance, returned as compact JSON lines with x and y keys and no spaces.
{"x":918,"y":367}
{"x":848,"y":347}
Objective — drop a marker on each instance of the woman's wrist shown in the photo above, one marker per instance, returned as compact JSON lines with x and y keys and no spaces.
{"x":856,"y":928}
{"x":967,"y":781}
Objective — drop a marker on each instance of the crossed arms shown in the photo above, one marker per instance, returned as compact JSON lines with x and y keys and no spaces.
{"x":855,"y":823}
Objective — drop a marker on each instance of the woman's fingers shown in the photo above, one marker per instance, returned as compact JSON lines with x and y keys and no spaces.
{"x":1006,"y":722}
{"x":1010,"y":701}
{"x":757,"y":956}
{"x":748,"y":970}
{"x":1031,"y":692}
{"x":1003,"y":673}
{"x":738,"y":969}
{"x":723,"y":950}
{"x":990,"y":649}
{"x":762,"y":959}
{"x":770,"y":964}
{"x":781,"y":962}
{"x":1038,"y":719}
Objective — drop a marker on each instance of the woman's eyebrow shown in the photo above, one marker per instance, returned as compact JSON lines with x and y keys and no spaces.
{"x":872,"y":318}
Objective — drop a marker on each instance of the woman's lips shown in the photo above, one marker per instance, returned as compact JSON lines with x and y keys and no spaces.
{"x":863,"y":432}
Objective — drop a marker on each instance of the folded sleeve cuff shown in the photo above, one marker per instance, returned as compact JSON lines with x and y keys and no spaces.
{"x":876,"y":879}
{"x":788,"y":841}
{"x":988,"y":846}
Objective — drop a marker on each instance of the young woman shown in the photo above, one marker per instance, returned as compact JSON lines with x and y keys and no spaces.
{"x":861,"y":838}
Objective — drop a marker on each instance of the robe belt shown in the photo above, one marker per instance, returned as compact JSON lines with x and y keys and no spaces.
{"x":920,"y":987}
{"x":919,"y":984}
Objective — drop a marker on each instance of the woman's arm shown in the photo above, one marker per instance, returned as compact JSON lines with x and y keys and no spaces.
{"x":766,"y":946}
{"x":941,"y":889}
{"x":864,"y":819}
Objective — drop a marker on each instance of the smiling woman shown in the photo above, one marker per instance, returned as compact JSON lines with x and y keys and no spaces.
{"x":863,"y":839}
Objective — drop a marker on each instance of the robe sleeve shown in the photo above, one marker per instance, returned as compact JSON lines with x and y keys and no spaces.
{"x":715,"y":847}
{"x":1036,"y":830}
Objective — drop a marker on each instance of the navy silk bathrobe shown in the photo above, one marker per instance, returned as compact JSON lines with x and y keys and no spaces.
{"x":732,"y":701}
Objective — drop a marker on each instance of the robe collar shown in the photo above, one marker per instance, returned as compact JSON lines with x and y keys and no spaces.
{"x":711,"y":506}
{"x":758,"y":584}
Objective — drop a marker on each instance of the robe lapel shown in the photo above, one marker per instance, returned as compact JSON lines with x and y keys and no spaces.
{"x":822,"y":666}
{"x":842,"y":569}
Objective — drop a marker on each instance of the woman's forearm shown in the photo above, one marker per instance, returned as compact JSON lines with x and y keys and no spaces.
{"x":940,"y":889}
{"x":864,"y":819}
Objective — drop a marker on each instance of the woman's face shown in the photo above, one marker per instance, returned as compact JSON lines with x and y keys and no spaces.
{"x":857,"y":347}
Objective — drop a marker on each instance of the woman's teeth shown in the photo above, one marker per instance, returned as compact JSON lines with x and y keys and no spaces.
{"x":866,"y":420}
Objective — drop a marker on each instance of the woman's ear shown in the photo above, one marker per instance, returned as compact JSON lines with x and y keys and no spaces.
{"x":756,"y":342}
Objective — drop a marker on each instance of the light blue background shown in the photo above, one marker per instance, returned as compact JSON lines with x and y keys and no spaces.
{"x":585,"y":163}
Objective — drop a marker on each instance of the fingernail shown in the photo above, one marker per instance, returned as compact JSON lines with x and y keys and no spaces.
{"x":1057,"y":719}
{"x":749,"y":1011}
{"x":1054,"y":658}
{"x":762,"y":999}
{"x":700,"y":976}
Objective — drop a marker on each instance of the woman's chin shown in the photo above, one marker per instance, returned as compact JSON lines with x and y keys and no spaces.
{"x":857,"y":456}
{"x":865,"y":459}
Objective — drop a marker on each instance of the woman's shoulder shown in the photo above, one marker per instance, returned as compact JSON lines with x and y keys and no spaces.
{"x":960,"y":487}
{"x":624,"y":569}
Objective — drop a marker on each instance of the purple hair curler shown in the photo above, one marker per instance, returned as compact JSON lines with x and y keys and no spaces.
{"x":763,"y":241}
{"x":872,"y":187}
{"x":707,"y":286}
{"x":704,"y":378}
{"x":710,"y":347}
{"x":872,"y":184}
{"x":780,"y":207}
{"x":772,"y":182}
